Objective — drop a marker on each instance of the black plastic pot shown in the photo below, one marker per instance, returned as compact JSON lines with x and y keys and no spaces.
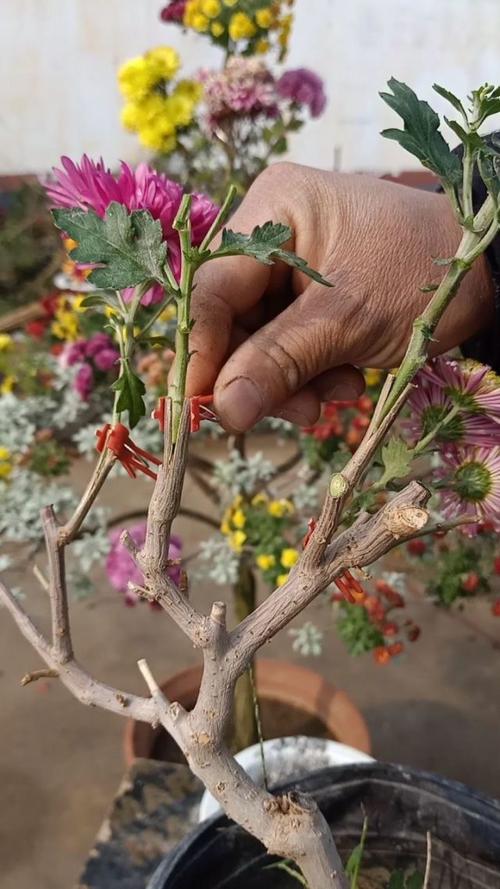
{"x":402,"y":804}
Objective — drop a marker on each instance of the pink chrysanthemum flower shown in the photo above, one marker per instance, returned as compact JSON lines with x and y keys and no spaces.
{"x":245,"y":88}
{"x":472,"y":476}
{"x":472,"y":385}
{"x":91,"y":186}
{"x":429,"y":405}
{"x":303,"y":87}
{"x":121,"y":568}
{"x":174,"y":11}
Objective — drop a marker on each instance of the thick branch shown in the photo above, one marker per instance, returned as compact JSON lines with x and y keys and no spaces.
{"x":61,"y":635}
{"x":73,"y":676}
{"x":163,"y":508}
{"x":362,"y":544}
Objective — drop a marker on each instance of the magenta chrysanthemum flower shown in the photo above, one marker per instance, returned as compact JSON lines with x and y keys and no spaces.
{"x":121,"y":568}
{"x":303,"y":87}
{"x":84,"y":381}
{"x":430,"y":405}
{"x":473,"y":386}
{"x":174,"y":11}
{"x":245,"y":88}
{"x":472,"y":476}
{"x":90,"y":185}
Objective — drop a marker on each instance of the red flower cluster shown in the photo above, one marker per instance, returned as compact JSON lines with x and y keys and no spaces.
{"x":347,"y":420}
{"x":379,"y":607}
{"x":48,"y":305}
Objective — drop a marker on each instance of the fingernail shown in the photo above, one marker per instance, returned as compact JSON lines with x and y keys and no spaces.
{"x":241,"y":404}
{"x":344,"y":392}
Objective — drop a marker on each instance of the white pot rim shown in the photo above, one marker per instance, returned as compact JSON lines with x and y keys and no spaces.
{"x":333,"y":754}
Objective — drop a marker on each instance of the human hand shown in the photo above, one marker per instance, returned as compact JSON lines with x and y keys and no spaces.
{"x":268,"y":341}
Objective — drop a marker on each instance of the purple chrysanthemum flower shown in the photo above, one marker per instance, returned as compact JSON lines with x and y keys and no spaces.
{"x":106,"y":359}
{"x":174,"y":11}
{"x":96,"y":343}
{"x":472,"y":476}
{"x":472,"y":385}
{"x":91,"y":186}
{"x":303,"y":87}
{"x":430,"y":405}
{"x":121,"y":568}
{"x":84,"y":381}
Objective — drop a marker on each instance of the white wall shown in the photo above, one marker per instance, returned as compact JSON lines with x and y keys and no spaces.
{"x":58,"y":64}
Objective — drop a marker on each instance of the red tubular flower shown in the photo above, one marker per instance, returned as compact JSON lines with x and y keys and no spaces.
{"x":117,"y":440}
{"x":382,"y":655}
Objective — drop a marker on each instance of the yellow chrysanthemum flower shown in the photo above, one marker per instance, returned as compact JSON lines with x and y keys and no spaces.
{"x":5,"y":463}
{"x":372,"y":376}
{"x":136,"y":78}
{"x":241,"y":27}
{"x":5,"y":342}
{"x":265,"y":562}
{"x":264,"y":18}
{"x":168,"y":314}
{"x":280,"y":508}
{"x":165,"y":60}
{"x":217,"y":29}
{"x":77,"y":302}
{"x":211,"y":8}
{"x":260,"y":500}
{"x":237,"y":540}
{"x":282,"y":579}
{"x":239,"y":519}
{"x":158,"y":137}
{"x":262,"y":46}
{"x":289,"y":557}
{"x":226,"y":528}
{"x":65,"y":326}
{"x":8,"y":384}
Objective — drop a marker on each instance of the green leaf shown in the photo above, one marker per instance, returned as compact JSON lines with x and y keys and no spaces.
{"x":397,"y":459}
{"x":129,"y":246}
{"x":472,"y":140}
{"x":131,"y":397}
{"x":488,"y":162}
{"x":264,"y":244}
{"x":355,"y":859}
{"x":416,"y":881}
{"x":397,"y":880}
{"x":485,"y":102}
{"x":100,"y":299}
{"x":453,"y":100}
{"x":421,"y":135}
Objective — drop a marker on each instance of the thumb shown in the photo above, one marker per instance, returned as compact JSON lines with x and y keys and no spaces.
{"x":277,"y":362}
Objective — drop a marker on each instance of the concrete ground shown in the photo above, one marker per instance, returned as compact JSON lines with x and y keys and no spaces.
{"x":438,"y":708}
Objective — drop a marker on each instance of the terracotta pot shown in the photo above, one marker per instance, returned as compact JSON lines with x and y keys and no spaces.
{"x":281,"y":681}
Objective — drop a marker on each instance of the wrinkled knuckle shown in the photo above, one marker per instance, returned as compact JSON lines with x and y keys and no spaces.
{"x":288,"y":369}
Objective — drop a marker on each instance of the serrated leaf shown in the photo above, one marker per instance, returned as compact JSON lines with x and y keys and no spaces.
{"x":453,"y":100}
{"x":472,"y":140}
{"x":131,"y":397}
{"x":397,"y":458}
{"x":488,"y":162}
{"x":264,"y":244}
{"x":129,"y":246}
{"x":421,"y":135}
